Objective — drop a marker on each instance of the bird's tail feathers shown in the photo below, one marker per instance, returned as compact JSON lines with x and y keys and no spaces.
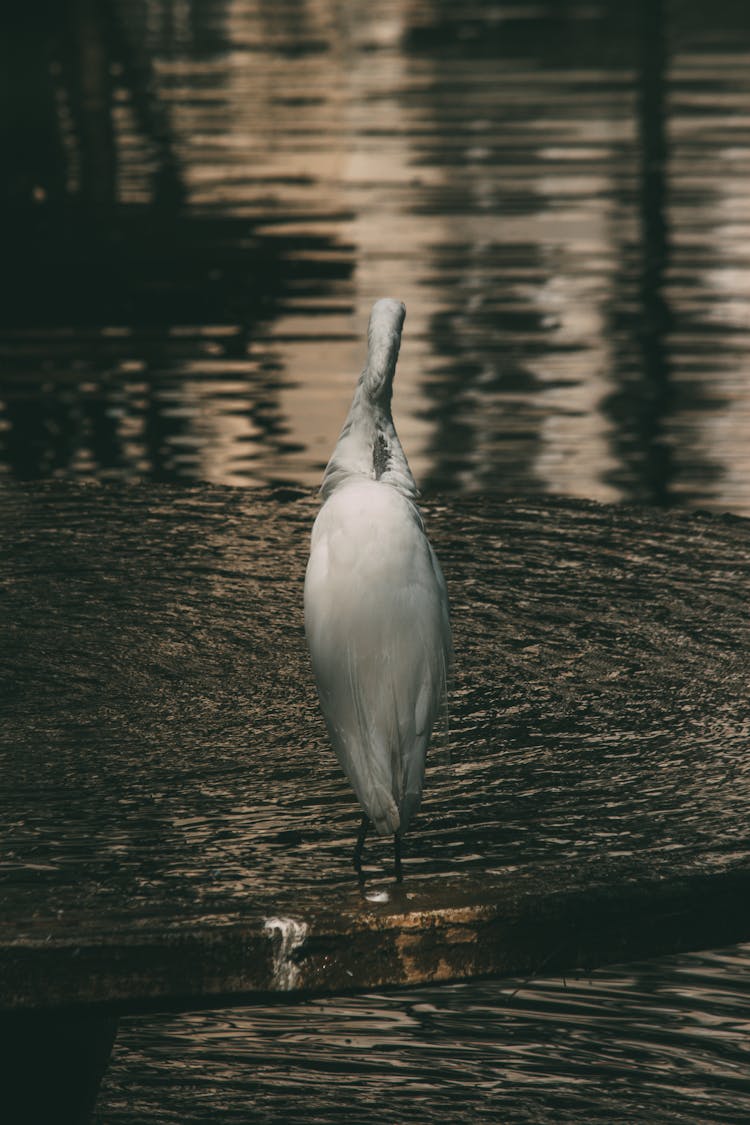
{"x":382,"y":810}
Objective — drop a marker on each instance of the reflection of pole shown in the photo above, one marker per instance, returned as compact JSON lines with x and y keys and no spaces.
{"x":656,"y":470}
{"x":130,"y":47}
{"x":93,"y":91}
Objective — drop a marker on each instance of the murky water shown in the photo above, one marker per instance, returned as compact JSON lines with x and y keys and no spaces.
{"x":663,"y":1042}
{"x":162,"y":749}
{"x":200,"y":201}
{"x":196,"y":229}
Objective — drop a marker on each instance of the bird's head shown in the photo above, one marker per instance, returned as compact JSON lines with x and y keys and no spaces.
{"x":383,"y":342}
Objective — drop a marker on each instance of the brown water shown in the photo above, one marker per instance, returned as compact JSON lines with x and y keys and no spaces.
{"x":199,"y":220}
{"x":652,"y":1043}
{"x":163,"y":753}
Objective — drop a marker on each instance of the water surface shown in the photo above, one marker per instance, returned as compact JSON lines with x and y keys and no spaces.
{"x":164,"y":757}
{"x":665,"y":1042}
{"x":198,"y":221}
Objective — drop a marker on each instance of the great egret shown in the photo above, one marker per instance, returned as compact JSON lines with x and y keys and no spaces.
{"x":376,"y":606}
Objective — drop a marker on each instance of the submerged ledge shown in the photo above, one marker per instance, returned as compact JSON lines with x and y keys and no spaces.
{"x":177,"y":833}
{"x":503,"y":928}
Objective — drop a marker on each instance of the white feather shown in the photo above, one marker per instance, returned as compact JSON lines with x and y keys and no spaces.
{"x":376,"y":606}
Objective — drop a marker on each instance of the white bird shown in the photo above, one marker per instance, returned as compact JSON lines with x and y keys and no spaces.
{"x":376,"y":605}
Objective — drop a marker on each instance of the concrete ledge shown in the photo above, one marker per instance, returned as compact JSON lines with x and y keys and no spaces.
{"x":412,"y":936}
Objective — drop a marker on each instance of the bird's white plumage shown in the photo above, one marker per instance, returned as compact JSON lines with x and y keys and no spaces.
{"x":376,"y":607}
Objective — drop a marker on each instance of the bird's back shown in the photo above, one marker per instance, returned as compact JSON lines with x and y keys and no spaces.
{"x":376,"y":616}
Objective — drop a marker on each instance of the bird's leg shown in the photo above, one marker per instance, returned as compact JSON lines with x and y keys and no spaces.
{"x":397,"y":857}
{"x":357,"y":859}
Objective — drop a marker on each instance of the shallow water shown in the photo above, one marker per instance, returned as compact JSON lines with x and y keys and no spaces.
{"x":163,"y":752}
{"x":558,"y":192}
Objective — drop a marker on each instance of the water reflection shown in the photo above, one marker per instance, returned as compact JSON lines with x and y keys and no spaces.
{"x":205,"y":197}
{"x":643,"y":400}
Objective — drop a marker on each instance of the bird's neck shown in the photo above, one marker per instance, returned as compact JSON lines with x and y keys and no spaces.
{"x":369,"y":446}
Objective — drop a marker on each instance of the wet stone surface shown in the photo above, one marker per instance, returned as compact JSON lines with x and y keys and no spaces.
{"x":168,"y":783}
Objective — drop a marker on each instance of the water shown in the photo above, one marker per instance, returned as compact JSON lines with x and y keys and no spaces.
{"x":195,"y":233}
{"x":657,"y":1042}
{"x":164,"y":762}
{"x":162,"y":750}
{"x":200,"y":202}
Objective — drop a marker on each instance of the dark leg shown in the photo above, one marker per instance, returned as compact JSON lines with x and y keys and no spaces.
{"x":357,"y":860}
{"x":397,"y":857}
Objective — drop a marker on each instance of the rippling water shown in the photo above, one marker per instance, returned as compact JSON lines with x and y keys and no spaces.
{"x":162,"y":750}
{"x":659,"y":1042}
{"x":196,"y":229}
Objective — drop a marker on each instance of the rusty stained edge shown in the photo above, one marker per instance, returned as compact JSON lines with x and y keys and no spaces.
{"x":515,"y":931}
